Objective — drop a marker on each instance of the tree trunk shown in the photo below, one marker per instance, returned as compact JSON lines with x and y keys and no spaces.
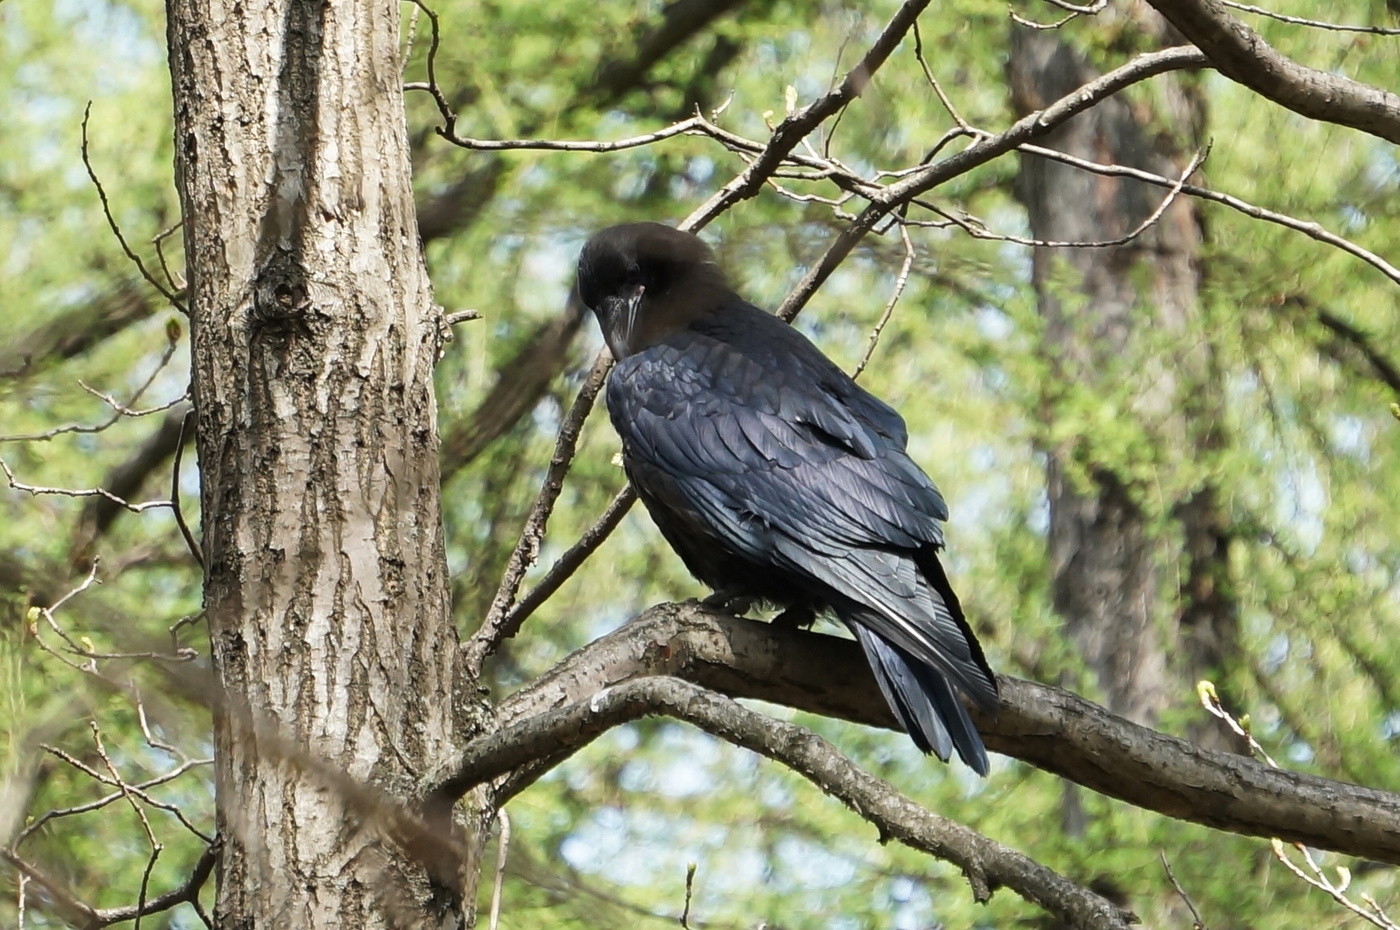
{"x":314,"y":340}
{"x":1109,"y":314}
{"x":1104,"y":558}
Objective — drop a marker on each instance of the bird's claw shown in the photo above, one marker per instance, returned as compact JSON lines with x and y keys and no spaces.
{"x":796,"y":617}
{"x":730,"y":602}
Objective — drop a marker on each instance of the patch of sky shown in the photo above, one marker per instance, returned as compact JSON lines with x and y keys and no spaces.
{"x":992,"y":324}
{"x":1301,"y":500}
{"x":1350,"y":436}
{"x":1354,"y":219}
{"x":1276,"y":653}
{"x":819,"y":866}
{"x":1382,"y":170}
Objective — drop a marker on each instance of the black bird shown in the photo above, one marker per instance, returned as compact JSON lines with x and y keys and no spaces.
{"x":776,"y":477}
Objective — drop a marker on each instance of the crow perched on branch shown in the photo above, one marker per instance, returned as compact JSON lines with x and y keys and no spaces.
{"x":775,"y":477}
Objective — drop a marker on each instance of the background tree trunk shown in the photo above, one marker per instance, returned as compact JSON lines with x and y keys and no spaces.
{"x":314,"y":340}
{"x":1104,"y":310}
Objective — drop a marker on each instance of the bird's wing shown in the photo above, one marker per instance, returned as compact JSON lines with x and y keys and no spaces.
{"x":753,"y":442}
{"x":778,"y":467}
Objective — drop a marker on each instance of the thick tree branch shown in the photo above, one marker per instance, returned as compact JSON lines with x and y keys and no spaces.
{"x":1242,"y":55}
{"x":986,"y":863}
{"x":1047,"y":727}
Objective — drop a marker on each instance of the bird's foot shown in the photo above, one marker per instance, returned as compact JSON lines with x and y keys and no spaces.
{"x":796,"y":617}
{"x":730,"y":602}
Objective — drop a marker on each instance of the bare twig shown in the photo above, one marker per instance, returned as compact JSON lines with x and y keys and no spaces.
{"x":568,"y":563}
{"x":689,"y":890}
{"x":1311,"y":229}
{"x":119,"y":409}
{"x":1371,"y":912}
{"x":99,"y":803}
{"x":982,"y":150}
{"x":975,"y":228}
{"x":150,"y":737}
{"x":186,"y":893}
{"x":146,"y":825}
{"x":1196,"y":922}
{"x":798,"y":126}
{"x":495,"y":627}
{"x":411,"y":38}
{"x":1073,"y":11}
{"x":56,"y":898}
{"x":178,"y":625}
{"x":694,"y":124}
{"x":1092,"y":9}
{"x":899,"y":283}
{"x":1206,"y":693}
{"x":1043,"y":27}
{"x":137,"y":790}
{"x":502,"y":849}
{"x":462,"y":316}
{"x":159,"y":242}
{"x":37,"y":490}
{"x":1314,"y":23}
{"x":116,"y":230}
{"x":434,"y":38}
{"x":933,"y":82}
{"x":47,"y":613}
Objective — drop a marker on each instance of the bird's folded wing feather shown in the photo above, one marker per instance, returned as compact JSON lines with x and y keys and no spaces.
{"x":782,"y":466}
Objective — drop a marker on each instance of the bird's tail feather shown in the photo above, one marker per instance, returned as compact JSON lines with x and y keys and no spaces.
{"x":922,"y":699}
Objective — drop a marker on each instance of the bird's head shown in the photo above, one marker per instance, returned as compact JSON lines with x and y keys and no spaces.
{"x":645,"y":280}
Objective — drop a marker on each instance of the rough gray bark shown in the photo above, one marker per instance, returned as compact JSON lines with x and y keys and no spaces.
{"x":314,"y":340}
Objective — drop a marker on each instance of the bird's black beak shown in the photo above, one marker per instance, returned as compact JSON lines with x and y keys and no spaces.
{"x":622,"y":320}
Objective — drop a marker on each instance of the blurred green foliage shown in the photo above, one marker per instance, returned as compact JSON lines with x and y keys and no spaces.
{"x":1308,"y":472}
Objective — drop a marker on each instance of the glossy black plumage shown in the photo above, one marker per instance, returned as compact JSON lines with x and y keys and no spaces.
{"x":774,"y":475}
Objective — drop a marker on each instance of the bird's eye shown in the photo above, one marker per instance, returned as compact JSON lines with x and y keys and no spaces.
{"x":634,"y":273}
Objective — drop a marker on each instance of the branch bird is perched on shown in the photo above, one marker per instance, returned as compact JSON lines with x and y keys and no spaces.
{"x":776,"y":477}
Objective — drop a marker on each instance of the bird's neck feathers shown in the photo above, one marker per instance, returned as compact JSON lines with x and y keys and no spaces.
{"x":681,"y":302}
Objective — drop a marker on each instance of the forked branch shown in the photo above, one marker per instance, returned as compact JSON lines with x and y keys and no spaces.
{"x":987,"y":864}
{"x":1047,"y":727}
